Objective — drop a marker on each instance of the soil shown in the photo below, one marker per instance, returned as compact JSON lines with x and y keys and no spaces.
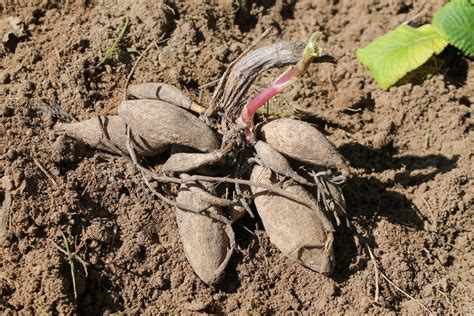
{"x":410,"y":150}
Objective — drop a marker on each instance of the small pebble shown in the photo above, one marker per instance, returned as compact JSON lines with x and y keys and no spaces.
{"x":108,"y":69}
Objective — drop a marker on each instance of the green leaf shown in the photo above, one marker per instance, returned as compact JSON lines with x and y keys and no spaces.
{"x":393,"y":55}
{"x":455,"y":21}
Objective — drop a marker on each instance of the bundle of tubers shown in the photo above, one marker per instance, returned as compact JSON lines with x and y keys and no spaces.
{"x":287,"y":167}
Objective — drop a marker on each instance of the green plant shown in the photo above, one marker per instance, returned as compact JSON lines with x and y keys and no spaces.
{"x":391,"y":56}
{"x":108,"y":54}
{"x":71,"y":264}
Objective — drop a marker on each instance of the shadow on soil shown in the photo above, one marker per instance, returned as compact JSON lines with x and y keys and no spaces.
{"x":369,"y":198}
{"x":451,"y":63}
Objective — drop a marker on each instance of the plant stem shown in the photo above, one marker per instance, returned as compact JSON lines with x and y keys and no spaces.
{"x":284,"y":80}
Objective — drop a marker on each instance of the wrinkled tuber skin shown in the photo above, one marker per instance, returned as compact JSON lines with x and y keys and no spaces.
{"x":272,"y":159}
{"x":184,"y":162}
{"x":207,"y":243}
{"x":303,"y":142}
{"x":164,"y":92}
{"x":91,"y":133}
{"x":301,"y":233}
{"x":161,"y":124}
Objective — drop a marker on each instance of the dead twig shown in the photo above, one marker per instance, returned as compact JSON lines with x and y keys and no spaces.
{"x":132,"y":71}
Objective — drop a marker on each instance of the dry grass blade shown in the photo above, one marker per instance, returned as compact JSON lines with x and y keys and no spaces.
{"x":376,"y":270}
{"x":376,"y":266}
{"x":46,"y":172}
{"x":75,"y":256}
{"x":111,"y":49}
{"x":71,"y":264}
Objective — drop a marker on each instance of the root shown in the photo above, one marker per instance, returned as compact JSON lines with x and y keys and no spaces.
{"x":132,"y":158}
{"x":238,"y":190}
{"x":326,"y":198}
{"x":379,"y":272}
{"x":145,"y":172}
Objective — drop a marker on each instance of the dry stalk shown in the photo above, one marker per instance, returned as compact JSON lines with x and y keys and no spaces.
{"x":220,"y":86}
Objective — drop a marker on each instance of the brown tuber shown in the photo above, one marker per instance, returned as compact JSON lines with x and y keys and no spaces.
{"x":303,"y":142}
{"x":303,"y":234}
{"x":207,"y":243}
{"x":293,"y":209}
{"x":162,"y":124}
{"x":164,"y":92}
{"x":113,"y":133}
{"x":272,"y":159}
{"x":184,"y":162}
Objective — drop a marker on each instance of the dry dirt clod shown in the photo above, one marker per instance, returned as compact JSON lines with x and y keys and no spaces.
{"x":161,"y":124}
{"x":164,"y":92}
{"x":303,"y":142}
{"x":106,"y":133}
{"x":207,"y":243}
{"x":301,"y":233}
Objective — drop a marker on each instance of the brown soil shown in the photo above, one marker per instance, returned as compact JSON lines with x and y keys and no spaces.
{"x":410,"y":151}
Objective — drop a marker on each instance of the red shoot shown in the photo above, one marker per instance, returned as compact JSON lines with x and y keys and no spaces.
{"x":284,"y":80}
